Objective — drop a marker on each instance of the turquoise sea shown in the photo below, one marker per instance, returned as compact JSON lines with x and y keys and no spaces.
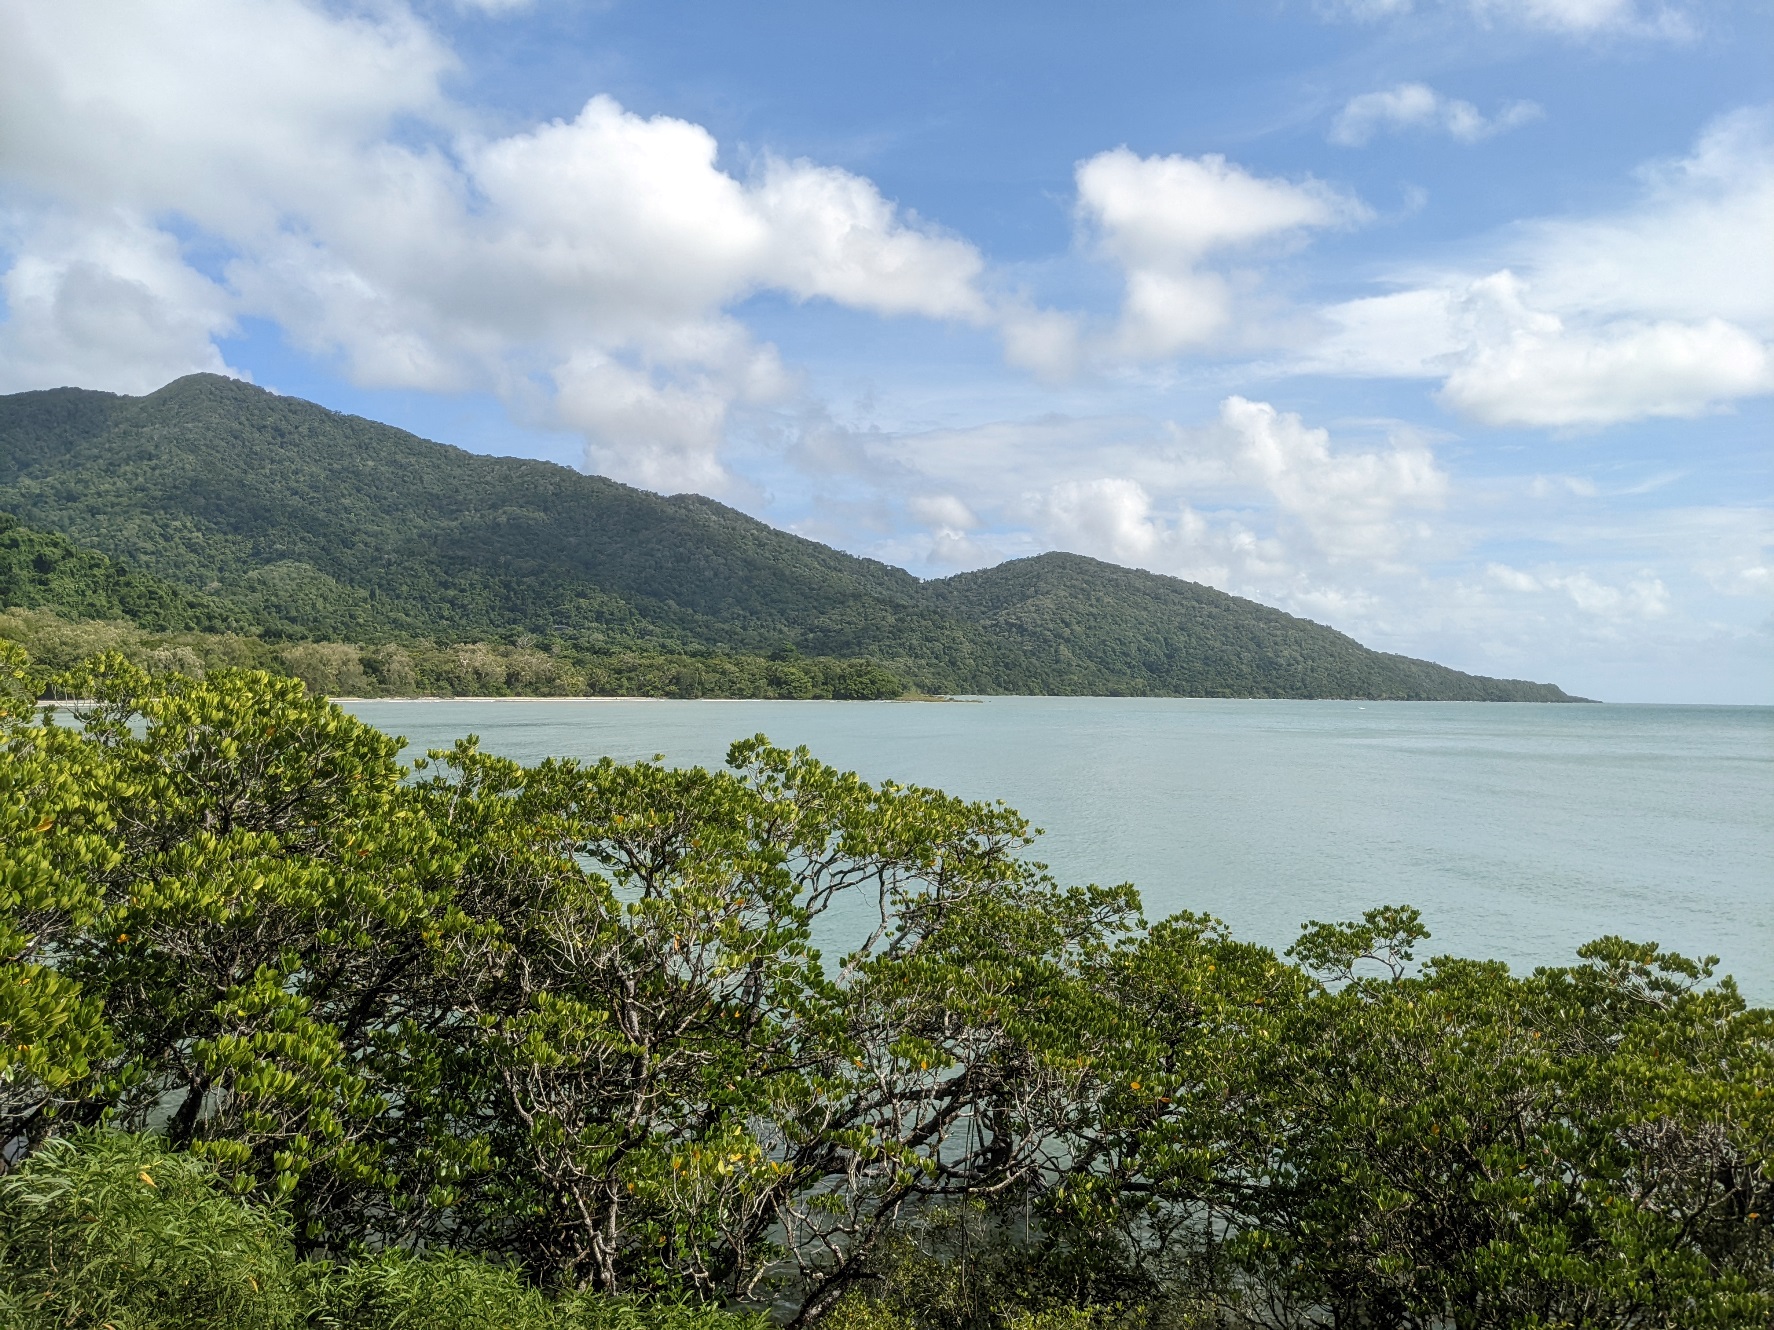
{"x":1520,"y":831}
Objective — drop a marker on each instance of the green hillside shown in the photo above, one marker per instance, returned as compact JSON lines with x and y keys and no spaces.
{"x":41,"y":570}
{"x":280,"y":513}
{"x":1093,"y":627}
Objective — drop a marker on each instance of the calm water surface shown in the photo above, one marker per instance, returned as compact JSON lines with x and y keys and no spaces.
{"x":1520,"y":831}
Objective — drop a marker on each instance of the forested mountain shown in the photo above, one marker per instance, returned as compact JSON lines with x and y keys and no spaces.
{"x":275,"y":512}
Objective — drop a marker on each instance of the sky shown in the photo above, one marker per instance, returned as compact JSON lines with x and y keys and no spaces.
{"x":1449,"y":323}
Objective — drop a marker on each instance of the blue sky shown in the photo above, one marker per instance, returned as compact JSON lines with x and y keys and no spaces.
{"x":1447,"y":322}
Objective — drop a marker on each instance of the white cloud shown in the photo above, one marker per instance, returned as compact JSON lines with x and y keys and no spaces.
{"x":1586,"y":17}
{"x":662,"y":434}
{"x":1047,"y":343}
{"x":1351,"y":502}
{"x":1569,"y":18}
{"x":1665,"y":309}
{"x":228,"y":111}
{"x":1255,"y":500}
{"x":1407,"y":334}
{"x":1511,"y":579}
{"x":1732,"y":549}
{"x":1118,"y":519}
{"x":1163,"y":218}
{"x":1644,"y":597}
{"x":1525,"y":367}
{"x":1111,"y":516}
{"x":108,"y":303}
{"x":1418,"y":106}
{"x":368,"y":217}
{"x":1541,"y":487}
{"x":1694,"y":246}
{"x":942,"y":512}
{"x":833,"y":235}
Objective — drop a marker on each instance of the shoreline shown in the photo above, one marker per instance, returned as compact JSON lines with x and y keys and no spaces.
{"x":633,"y":697}
{"x":976,"y":699}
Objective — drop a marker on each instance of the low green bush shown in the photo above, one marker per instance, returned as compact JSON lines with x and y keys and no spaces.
{"x":439,"y":1291}
{"x":109,"y":1229}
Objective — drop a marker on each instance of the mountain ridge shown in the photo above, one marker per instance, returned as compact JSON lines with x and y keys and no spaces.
{"x":312,"y":522}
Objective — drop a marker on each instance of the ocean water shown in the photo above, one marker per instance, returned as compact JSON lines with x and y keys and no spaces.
{"x":1521,"y":831}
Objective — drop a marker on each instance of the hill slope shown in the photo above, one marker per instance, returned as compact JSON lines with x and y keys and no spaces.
{"x":284,"y":513}
{"x":41,"y":570}
{"x":1100,"y":628}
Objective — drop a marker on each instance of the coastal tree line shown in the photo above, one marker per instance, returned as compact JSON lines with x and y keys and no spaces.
{"x":293,"y":1034}
{"x":64,"y":604}
{"x":421,"y":668}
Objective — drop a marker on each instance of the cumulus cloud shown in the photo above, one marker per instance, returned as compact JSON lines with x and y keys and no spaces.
{"x":1121,"y":519}
{"x":833,"y":235}
{"x":1406,"y":334}
{"x":1417,"y":106}
{"x":229,"y":113}
{"x":1665,"y":309}
{"x":109,"y":302}
{"x":1350,"y":503}
{"x":366,"y":213}
{"x":1525,"y":367}
{"x":1255,"y":499}
{"x":1110,"y":516}
{"x":948,"y":522}
{"x":1163,"y":218}
{"x":663,"y":435}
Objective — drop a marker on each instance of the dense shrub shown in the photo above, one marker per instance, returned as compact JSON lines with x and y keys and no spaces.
{"x":107,"y":1230}
{"x":570,"y":1021}
{"x":394,"y":1291}
{"x":110,"y":1229}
